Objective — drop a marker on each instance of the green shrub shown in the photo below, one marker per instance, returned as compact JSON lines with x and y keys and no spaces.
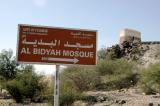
{"x":14,"y":89}
{"x":82,"y":78}
{"x":116,"y":74}
{"x":68,"y":95}
{"x":75,"y":80}
{"x":115,"y":67}
{"x":103,"y":54}
{"x":150,"y":79}
{"x":27,"y":85}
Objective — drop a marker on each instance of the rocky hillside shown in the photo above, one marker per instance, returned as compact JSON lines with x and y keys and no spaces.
{"x":144,"y":54}
{"x":152,"y":55}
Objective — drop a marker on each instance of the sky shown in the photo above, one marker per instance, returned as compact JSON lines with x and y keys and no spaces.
{"x":106,"y":16}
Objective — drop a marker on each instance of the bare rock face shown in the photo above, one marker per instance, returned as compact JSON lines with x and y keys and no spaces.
{"x":152,"y":55}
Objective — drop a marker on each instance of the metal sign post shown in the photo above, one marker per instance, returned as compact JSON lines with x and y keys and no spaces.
{"x":56,"y":87}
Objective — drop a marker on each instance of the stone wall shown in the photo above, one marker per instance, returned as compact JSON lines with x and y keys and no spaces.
{"x":130,"y":35}
{"x":150,"y":42}
{"x":130,"y":39}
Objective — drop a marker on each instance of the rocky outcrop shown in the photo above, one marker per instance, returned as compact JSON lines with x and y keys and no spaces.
{"x":144,"y":53}
{"x":130,"y":51}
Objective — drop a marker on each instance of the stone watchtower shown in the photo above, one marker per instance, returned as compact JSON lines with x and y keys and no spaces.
{"x":130,"y":35}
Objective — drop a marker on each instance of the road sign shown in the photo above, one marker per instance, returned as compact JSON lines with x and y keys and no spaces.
{"x":39,"y":44}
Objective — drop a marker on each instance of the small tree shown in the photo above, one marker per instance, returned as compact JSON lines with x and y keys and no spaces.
{"x":116,"y":74}
{"x":8,"y":65}
{"x":68,"y":95}
{"x":27,"y":84}
{"x":83,"y":78}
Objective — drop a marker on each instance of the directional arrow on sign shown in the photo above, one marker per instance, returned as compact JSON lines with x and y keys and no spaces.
{"x":74,"y":60}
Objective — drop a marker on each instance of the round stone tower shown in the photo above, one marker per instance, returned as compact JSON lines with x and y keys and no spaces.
{"x":130,"y":35}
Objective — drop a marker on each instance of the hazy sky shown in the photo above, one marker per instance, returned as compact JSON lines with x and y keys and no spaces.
{"x":106,"y":16}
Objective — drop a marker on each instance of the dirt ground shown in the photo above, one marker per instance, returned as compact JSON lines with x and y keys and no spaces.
{"x":125,"y":97}
{"x":11,"y":102}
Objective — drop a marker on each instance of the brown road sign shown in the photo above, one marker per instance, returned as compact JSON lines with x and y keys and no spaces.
{"x":39,"y":44}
